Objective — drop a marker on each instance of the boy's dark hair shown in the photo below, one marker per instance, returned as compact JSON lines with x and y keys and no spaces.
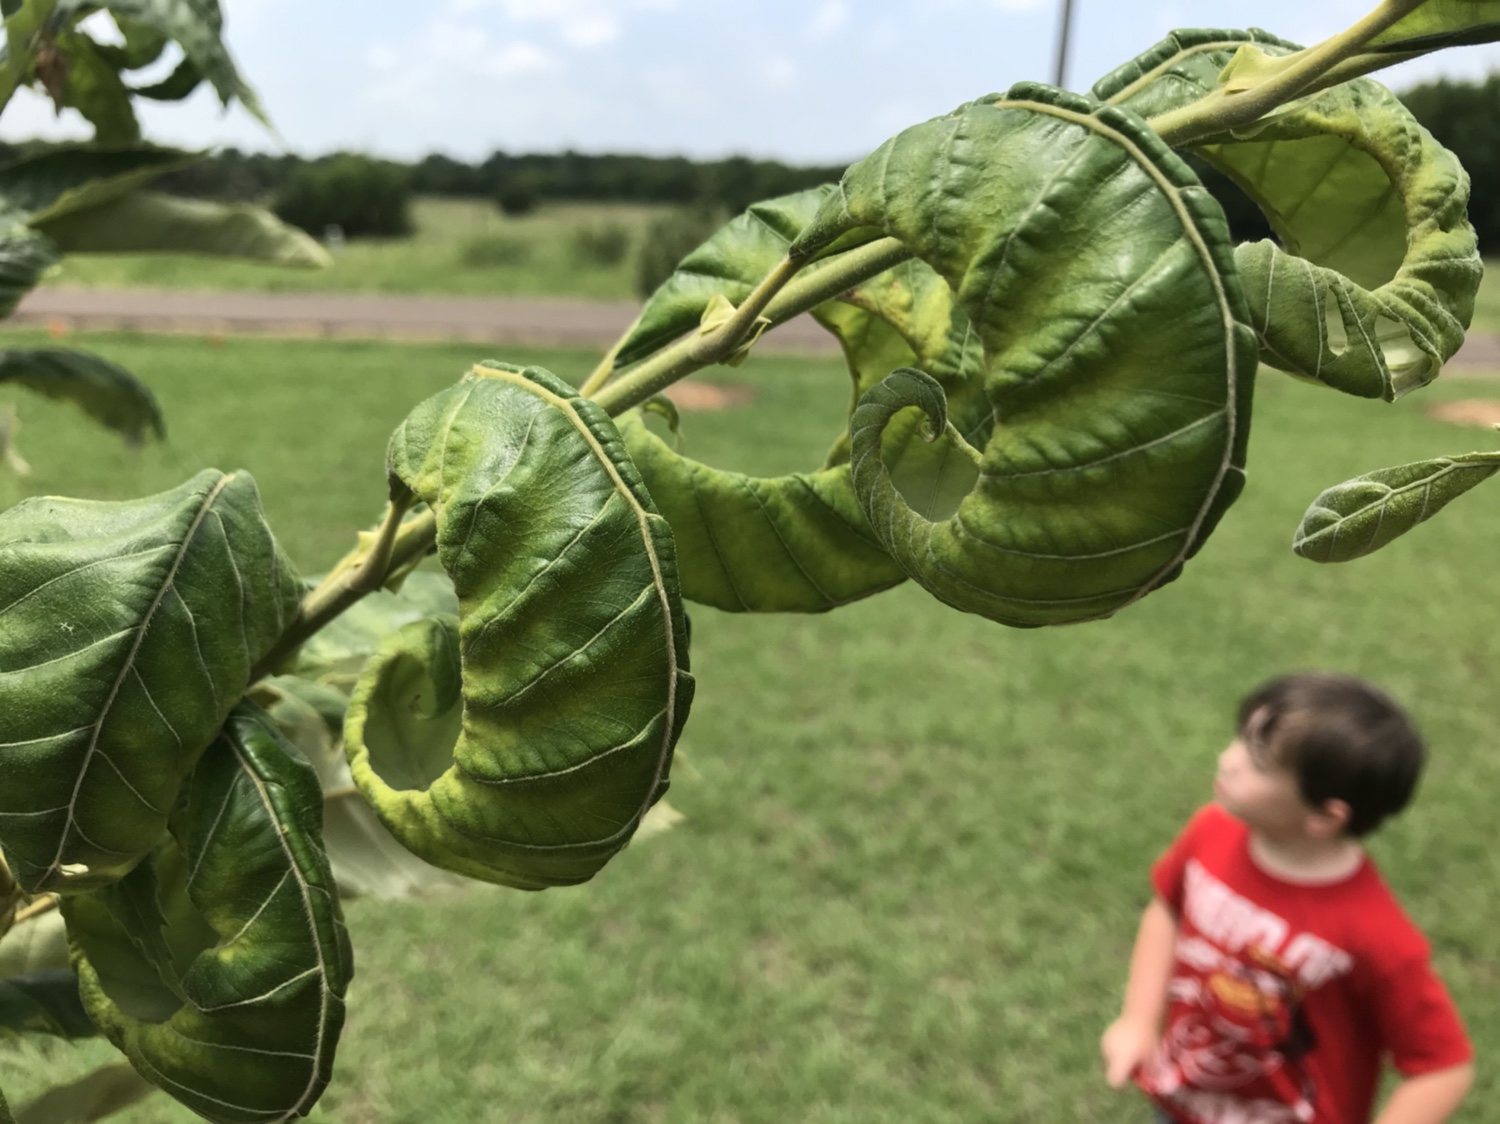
{"x":1341,"y":738}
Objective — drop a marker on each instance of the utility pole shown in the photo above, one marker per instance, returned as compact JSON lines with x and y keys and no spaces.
{"x":1062,"y":44}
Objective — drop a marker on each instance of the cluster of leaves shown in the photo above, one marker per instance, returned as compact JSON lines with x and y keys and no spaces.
{"x":94,"y":197}
{"x":362,"y":197}
{"x":1052,"y":341}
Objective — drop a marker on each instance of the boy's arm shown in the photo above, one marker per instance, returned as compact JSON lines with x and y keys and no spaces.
{"x":1132,"y":1038}
{"x":1430,"y":1098}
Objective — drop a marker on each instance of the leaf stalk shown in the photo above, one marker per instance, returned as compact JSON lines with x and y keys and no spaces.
{"x":778,"y":298}
{"x":397,"y":543}
{"x":1227,"y":108}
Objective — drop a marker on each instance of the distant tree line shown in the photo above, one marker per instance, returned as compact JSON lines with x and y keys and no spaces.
{"x":369,"y":196}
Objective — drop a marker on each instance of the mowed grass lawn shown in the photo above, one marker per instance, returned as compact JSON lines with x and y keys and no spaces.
{"x":916,"y":842}
{"x":461,"y":247}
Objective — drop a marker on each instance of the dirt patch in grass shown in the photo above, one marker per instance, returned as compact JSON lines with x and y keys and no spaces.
{"x":707,"y":396}
{"x":1480,"y":413}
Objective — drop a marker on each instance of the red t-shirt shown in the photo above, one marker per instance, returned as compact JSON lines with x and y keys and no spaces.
{"x":1285,"y":997}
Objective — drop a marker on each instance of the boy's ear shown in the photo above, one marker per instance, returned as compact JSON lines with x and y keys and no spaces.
{"x":1330,"y":819}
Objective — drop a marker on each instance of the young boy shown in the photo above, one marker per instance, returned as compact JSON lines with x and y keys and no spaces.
{"x":1274,"y":969}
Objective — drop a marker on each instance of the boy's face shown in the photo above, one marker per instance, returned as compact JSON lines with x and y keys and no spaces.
{"x":1265,"y":795}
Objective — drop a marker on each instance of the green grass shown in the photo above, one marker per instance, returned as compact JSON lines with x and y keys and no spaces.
{"x":1487,"y":305}
{"x":461,"y":247}
{"x":917,"y":842}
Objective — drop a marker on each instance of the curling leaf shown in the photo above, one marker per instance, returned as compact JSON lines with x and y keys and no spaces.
{"x":1097,"y":274}
{"x":1374,"y":281}
{"x":1360,"y":516}
{"x":220,"y":965}
{"x":24,"y":257}
{"x":44,"y":1002}
{"x":365,"y":857}
{"x":107,"y":392}
{"x":76,"y":177}
{"x":1441,"y":23}
{"x":150,"y":222}
{"x":127,"y":632}
{"x":523,"y":742}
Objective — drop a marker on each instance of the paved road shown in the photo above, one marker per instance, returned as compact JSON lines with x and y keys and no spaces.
{"x":535,"y":321}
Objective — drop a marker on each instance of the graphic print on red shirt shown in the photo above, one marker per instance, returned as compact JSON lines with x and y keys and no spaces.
{"x":1284,"y":996}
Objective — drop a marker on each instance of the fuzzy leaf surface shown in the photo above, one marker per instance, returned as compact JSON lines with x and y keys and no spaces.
{"x":127,"y":632}
{"x":1097,"y":276}
{"x":219,"y":967}
{"x":522,"y":742}
{"x":151,"y":222}
{"x":1374,"y":280}
{"x":103,"y":390}
{"x":1360,"y":516}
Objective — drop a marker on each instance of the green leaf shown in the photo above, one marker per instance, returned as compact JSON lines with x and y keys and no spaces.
{"x":25,"y":257}
{"x":1096,"y":273}
{"x":94,"y":1096}
{"x":107,"y":392}
{"x":1360,"y":516}
{"x":44,"y":1002}
{"x":127,"y":632}
{"x":219,"y":967}
{"x":1182,"y":68}
{"x":1374,"y":280}
{"x":150,"y":222}
{"x":143,"y":45}
{"x":71,"y":178}
{"x":5,"y":1116}
{"x":174,"y":87}
{"x":729,"y":265}
{"x":9,"y":8}
{"x":197,"y":26}
{"x":572,"y":647}
{"x":1441,"y":23}
{"x":337,"y":654}
{"x":365,"y":857}
{"x":95,"y":89}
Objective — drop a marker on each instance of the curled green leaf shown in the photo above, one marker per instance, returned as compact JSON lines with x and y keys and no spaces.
{"x":1374,"y":280}
{"x":76,"y":177}
{"x":107,"y":392}
{"x":219,"y":967}
{"x":523,"y":742}
{"x":1096,"y":273}
{"x":1360,"y":516}
{"x":127,"y":632}
{"x":44,"y":1002}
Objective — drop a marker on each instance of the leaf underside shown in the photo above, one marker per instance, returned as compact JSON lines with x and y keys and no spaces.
{"x":1096,"y":273}
{"x":103,"y":390}
{"x":1360,"y":516}
{"x":1374,"y":280}
{"x":219,"y":967}
{"x":519,"y":744}
{"x":127,"y":632}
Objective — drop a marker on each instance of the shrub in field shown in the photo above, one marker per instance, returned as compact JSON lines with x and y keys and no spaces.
{"x":668,"y":239}
{"x":602,"y":244}
{"x":490,"y":251}
{"x":365,"y":198}
{"x":1051,"y":339}
{"x":518,"y":194}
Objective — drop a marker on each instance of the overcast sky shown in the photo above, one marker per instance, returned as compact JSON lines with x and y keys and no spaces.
{"x":810,"y":81}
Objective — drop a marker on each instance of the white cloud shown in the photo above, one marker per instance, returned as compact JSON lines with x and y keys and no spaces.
{"x":828,"y":19}
{"x":446,"y":57}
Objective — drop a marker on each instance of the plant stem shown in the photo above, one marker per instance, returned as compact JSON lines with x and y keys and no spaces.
{"x":36,"y":909}
{"x":786,"y":300}
{"x":1226,"y":109}
{"x":363,"y":571}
